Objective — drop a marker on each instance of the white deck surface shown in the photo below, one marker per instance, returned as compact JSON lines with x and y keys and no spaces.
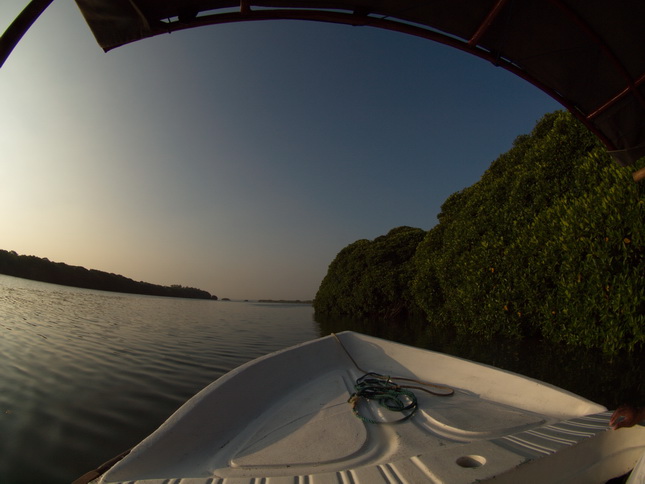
{"x":285,"y":418}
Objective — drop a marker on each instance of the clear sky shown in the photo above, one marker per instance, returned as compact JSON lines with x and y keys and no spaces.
{"x":238,"y":158}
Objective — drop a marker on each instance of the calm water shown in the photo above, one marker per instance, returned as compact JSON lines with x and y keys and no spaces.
{"x":85,"y":375}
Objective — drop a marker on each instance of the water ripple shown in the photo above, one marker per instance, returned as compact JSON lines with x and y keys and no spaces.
{"x":87,"y":374}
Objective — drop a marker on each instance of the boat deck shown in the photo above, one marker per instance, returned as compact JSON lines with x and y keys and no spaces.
{"x":285,"y":418}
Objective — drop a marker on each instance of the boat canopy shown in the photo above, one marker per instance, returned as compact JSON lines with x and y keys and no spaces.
{"x":588,"y":55}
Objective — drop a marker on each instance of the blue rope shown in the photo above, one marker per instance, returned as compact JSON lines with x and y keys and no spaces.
{"x":382,"y":390}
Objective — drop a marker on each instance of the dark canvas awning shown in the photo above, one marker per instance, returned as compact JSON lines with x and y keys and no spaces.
{"x":587,"y":54}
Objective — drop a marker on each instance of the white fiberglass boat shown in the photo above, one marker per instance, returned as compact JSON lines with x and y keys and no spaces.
{"x":297,"y":416}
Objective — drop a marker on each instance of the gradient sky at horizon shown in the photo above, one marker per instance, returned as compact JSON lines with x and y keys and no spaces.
{"x":238,"y":158}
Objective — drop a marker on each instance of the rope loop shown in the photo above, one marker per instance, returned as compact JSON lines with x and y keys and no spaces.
{"x":382,"y":390}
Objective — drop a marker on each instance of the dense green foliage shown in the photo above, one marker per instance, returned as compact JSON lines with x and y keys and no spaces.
{"x":372,"y":278}
{"x":39,"y":269}
{"x":549,"y":243}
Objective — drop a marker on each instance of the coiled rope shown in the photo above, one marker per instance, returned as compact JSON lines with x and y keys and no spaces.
{"x":388,"y":394}
{"x":381,"y":389}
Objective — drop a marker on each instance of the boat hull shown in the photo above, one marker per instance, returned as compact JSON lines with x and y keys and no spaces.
{"x":287,"y":417}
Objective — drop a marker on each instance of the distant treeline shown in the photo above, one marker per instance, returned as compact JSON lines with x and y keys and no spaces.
{"x":550,"y":243}
{"x":39,"y":269}
{"x":284,"y":301}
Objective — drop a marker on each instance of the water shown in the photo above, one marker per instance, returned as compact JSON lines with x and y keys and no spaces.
{"x":85,"y":375}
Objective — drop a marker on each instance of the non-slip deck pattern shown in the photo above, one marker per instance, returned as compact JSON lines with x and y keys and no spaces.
{"x":494,"y":457}
{"x":549,"y":439}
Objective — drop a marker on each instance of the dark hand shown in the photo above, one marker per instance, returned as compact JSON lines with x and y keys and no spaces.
{"x":626,"y":416}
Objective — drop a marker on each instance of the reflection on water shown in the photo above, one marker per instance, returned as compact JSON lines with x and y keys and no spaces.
{"x":85,"y":374}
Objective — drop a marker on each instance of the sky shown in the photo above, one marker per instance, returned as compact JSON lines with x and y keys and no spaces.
{"x":239,"y":158}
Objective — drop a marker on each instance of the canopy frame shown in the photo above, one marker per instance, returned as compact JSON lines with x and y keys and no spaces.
{"x":19,"y":27}
{"x":147,"y":18}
